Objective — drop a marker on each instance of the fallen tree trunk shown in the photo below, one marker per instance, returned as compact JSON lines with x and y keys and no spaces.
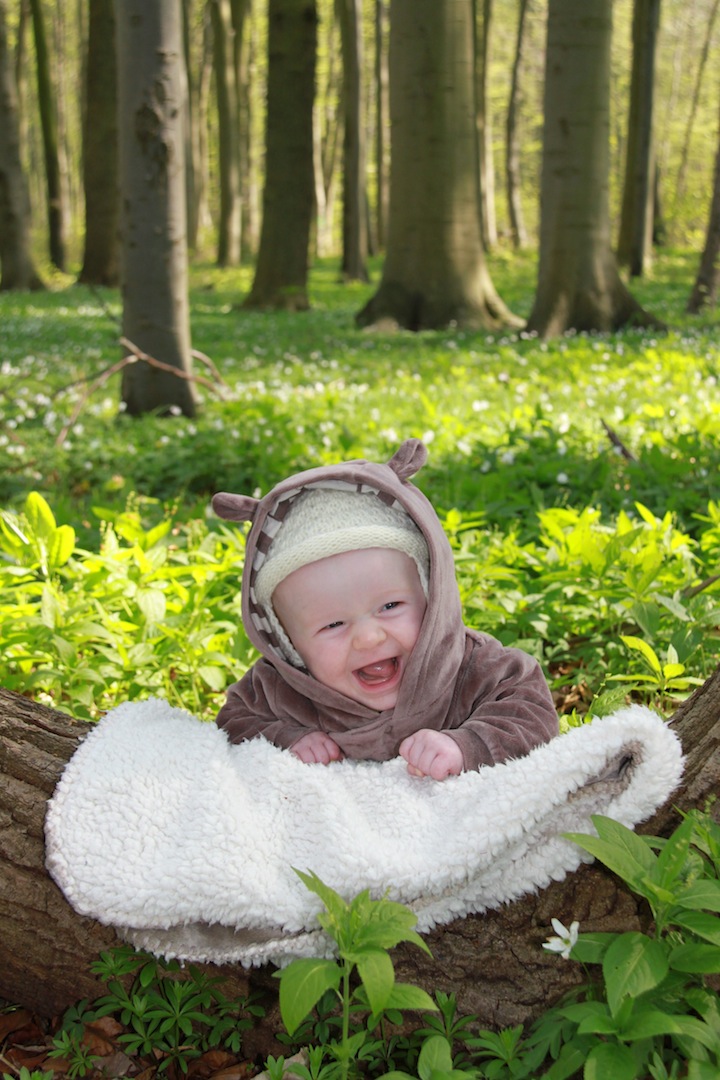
{"x":494,"y":962}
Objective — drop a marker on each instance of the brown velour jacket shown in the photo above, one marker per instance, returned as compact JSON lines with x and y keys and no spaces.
{"x":492,"y":700}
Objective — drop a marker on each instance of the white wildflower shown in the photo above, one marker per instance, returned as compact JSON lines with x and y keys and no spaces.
{"x":565,"y":940}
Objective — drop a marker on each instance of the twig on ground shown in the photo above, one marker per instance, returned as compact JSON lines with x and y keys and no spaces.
{"x":134,"y":355}
{"x":617,"y":441}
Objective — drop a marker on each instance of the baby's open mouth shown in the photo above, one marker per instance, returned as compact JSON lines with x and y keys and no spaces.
{"x":380,"y":672}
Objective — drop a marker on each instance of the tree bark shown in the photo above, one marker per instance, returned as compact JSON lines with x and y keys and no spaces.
{"x":579,"y":285}
{"x":354,"y":214}
{"x":151,"y":114}
{"x":16,"y":263}
{"x":48,"y":120}
{"x":382,"y":123}
{"x":518,"y":231}
{"x":101,"y":264}
{"x":226,"y":92}
{"x":636,"y":221}
{"x":493,"y":962}
{"x":486,"y":163}
{"x":281,"y":272}
{"x":435,"y":273}
{"x":706,"y":285}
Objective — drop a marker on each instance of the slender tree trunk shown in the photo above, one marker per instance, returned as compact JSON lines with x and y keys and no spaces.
{"x":705,"y":289}
{"x":191,"y":123}
{"x":230,"y":222}
{"x":692,"y":115}
{"x":435,"y":272}
{"x":242,"y":16}
{"x":579,"y":286}
{"x":355,"y":224}
{"x":16,"y":263}
{"x":493,"y":962}
{"x":282,"y":264}
{"x":486,"y":162}
{"x":382,"y":123}
{"x":636,"y":223}
{"x":154,"y":216}
{"x":48,"y":120}
{"x":518,"y":231}
{"x":100,"y":152}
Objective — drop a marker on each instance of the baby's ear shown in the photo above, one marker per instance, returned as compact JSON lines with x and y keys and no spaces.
{"x":234,"y":507}
{"x":408,"y":458}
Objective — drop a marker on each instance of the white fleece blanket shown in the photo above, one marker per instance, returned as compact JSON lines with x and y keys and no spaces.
{"x":186,"y":844}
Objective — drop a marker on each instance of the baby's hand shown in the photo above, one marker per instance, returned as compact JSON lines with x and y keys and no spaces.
{"x":318,"y":747}
{"x":432,"y":753}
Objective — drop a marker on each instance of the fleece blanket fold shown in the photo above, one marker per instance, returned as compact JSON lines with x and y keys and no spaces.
{"x":186,"y":843}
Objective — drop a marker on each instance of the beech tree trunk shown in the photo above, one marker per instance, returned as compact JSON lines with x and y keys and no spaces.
{"x":49,"y":123}
{"x":281,"y":271}
{"x":153,"y":220}
{"x":16,"y":262}
{"x":101,"y":259}
{"x":435,"y":274}
{"x":354,"y":218}
{"x":579,"y":285}
{"x":706,"y":285}
{"x":226,"y":91}
{"x":493,"y":962}
{"x":636,"y":221}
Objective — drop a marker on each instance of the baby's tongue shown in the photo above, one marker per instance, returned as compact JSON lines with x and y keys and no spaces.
{"x":379,"y":672}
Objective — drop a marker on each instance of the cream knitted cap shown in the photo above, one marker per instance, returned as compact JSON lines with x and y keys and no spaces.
{"x":323,"y":522}
{"x":326,"y":522}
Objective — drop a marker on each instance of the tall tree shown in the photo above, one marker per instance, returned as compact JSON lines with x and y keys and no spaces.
{"x":579,"y":285}
{"x":518,"y":231}
{"x":154,"y":218}
{"x":486,"y":162}
{"x":48,"y":120}
{"x":382,"y":123}
{"x":226,"y":91}
{"x":435,"y":271}
{"x":16,"y":263}
{"x":282,"y":264}
{"x":355,"y":218}
{"x":707,"y":282}
{"x":100,"y":153}
{"x":636,"y":221}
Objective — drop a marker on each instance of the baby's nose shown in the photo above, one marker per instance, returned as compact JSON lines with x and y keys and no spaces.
{"x":368,"y":635}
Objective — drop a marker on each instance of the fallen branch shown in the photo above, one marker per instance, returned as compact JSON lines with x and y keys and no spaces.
{"x":617,"y":441}
{"x":134,"y":355}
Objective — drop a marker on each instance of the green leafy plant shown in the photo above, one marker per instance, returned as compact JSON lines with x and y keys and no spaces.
{"x":167,"y":1016}
{"x":363,"y":931}
{"x":653,"y":1008}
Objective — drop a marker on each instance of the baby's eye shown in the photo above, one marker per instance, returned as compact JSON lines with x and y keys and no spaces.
{"x":390,"y":605}
{"x":333,"y":625}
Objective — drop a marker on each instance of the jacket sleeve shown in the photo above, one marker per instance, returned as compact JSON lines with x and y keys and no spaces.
{"x":503,"y":706}
{"x":251,"y":708}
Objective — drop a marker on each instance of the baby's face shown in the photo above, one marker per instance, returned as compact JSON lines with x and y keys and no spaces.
{"x":354,"y":618}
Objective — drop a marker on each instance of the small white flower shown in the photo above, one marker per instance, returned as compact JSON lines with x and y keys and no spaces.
{"x":565,"y":939}
{"x":562,"y":478}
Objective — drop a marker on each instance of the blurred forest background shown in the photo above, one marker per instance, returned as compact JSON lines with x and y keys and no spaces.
{"x":331,"y":81}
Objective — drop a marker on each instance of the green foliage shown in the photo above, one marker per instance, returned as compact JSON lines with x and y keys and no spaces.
{"x":169,"y":1017}
{"x":363,"y":931}
{"x":650,"y":1012}
{"x":116,"y":583}
{"x":154,"y":611}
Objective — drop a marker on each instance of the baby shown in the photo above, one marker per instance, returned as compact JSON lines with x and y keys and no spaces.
{"x":349,"y":593}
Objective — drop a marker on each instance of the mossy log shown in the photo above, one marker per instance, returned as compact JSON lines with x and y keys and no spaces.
{"x":494,"y":962}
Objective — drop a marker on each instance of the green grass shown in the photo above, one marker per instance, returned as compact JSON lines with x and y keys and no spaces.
{"x":539,"y":456}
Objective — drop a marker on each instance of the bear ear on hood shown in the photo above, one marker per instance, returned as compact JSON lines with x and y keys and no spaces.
{"x":234,"y":507}
{"x":408,"y":458}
